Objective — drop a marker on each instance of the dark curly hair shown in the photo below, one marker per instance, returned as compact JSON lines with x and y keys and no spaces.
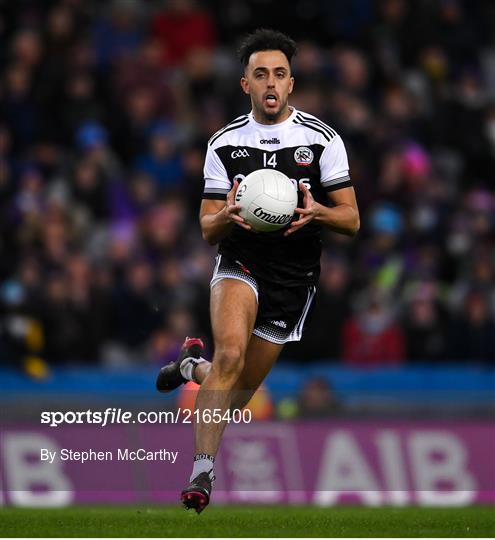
{"x":265,"y":39}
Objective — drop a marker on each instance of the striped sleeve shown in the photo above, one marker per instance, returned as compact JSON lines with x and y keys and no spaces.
{"x":334,"y":166}
{"x":217,"y":183}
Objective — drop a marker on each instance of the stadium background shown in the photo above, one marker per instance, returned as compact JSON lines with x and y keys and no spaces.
{"x":105,"y":110}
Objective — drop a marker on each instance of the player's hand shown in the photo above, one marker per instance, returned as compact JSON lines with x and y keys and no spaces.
{"x":310,"y":210}
{"x":232,"y":209}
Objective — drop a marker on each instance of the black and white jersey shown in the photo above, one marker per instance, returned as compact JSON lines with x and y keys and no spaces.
{"x":303,"y":148}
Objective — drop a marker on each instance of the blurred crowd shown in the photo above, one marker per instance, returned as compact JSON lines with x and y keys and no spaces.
{"x":105,"y":110}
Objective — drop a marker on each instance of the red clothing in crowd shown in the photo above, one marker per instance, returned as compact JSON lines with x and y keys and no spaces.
{"x":361,"y":348}
{"x":182,"y":32}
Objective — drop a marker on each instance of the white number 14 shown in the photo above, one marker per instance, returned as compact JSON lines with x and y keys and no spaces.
{"x":272,"y":161}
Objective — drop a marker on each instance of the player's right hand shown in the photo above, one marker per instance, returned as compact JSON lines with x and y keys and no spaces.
{"x":232,"y":209}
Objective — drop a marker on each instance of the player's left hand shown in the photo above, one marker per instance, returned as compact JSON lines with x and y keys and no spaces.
{"x":309,"y":211}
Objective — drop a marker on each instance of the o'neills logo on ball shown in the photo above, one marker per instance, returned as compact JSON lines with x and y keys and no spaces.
{"x":281,"y":219}
{"x":303,"y":156}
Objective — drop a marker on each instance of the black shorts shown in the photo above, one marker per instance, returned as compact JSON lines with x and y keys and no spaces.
{"x":282,"y":311}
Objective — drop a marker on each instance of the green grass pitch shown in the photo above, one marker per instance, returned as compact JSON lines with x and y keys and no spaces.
{"x":235,"y":521}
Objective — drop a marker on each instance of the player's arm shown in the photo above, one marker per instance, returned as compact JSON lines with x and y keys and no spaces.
{"x":217,"y":217}
{"x":218,"y":213}
{"x":342,"y":217}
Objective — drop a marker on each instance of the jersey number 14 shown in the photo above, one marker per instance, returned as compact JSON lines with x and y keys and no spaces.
{"x":272,"y":161}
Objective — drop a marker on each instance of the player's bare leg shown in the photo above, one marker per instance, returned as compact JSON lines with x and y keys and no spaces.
{"x":233,"y":313}
{"x":259,"y":359}
{"x":261,"y":355}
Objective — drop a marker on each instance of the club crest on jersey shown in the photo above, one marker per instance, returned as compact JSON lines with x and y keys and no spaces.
{"x":303,"y":156}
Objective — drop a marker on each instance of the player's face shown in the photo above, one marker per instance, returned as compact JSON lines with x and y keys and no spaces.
{"x":267,"y":79}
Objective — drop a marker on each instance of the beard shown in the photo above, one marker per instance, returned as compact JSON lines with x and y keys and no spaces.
{"x":270,"y":116}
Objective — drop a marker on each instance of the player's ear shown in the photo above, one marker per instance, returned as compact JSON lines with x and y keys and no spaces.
{"x":291,"y":85}
{"x":244,"y":85}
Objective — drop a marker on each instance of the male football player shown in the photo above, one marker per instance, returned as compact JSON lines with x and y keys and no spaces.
{"x":263,"y":284}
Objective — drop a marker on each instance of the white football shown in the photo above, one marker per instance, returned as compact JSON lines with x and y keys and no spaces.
{"x":268,"y":199}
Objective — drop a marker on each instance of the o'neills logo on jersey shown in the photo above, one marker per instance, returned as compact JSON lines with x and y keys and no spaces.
{"x":274,"y":140}
{"x":281,"y":219}
{"x":303,"y":156}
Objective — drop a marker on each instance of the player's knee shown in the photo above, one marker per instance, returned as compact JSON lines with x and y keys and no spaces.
{"x":229,"y":362}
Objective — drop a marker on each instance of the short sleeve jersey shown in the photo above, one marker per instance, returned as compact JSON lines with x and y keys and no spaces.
{"x":303,"y":148}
